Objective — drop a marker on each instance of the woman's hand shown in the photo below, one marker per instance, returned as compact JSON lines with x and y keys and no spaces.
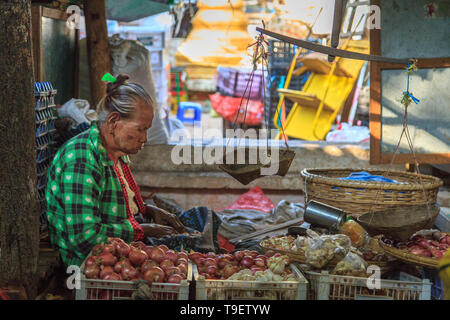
{"x":156,"y":230}
{"x":163,"y":217}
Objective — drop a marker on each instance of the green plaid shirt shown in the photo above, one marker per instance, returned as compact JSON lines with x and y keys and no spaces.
{"x":85,"y":200}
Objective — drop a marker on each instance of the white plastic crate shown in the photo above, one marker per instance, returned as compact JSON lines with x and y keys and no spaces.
{"x":324,"y":286}
{"x":251,"y":290}
{"x":96,"y":289}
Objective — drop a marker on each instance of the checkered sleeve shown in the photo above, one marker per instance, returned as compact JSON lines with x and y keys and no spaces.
{"x":84,"y":224}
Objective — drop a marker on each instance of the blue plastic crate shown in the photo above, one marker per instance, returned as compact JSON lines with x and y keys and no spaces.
{"x":437,"y":288}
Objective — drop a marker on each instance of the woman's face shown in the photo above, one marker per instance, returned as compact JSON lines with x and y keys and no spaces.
{"x":130,"y":134}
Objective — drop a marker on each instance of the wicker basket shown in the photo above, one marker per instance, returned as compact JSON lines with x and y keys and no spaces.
{"x":399,"y":223}
{"x":405,"y":256}
{"x":359,"y":197}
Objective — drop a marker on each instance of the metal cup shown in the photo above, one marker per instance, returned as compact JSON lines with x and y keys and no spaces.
{"x":323,"y":215}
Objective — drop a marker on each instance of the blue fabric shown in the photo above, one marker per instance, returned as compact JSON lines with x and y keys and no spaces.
{"x":365,"y":176}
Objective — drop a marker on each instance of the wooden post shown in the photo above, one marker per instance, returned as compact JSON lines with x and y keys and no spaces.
{"x":19,"y":207}
{"x":97,"y":46}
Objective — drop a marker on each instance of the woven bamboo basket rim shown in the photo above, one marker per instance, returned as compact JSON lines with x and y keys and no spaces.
{"x":409,"y":257}
{"x":320,"y":176}
{"x":298,"y":256}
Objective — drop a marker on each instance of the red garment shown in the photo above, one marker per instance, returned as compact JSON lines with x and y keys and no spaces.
{"x":138,"y":231}
{"x":254,"y":199}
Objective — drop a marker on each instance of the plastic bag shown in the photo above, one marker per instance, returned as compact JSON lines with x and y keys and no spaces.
{"x":348,"y":133}
{"x":357,"y":234}
{"x":78,"y":110}
{"x":351,"y":265}
{"x":301,"y":243}
{"x":324,"y":249}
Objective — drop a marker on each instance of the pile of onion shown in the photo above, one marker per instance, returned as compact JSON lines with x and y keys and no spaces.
{"x":117,"y":260}
{"x":223,"y":266}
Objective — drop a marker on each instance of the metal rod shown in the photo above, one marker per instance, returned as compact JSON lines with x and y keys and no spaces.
{"x":332,"y":51}
{"x":337,"y":24}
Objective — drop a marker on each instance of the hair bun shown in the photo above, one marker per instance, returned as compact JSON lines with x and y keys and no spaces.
{"x":111,"y":86}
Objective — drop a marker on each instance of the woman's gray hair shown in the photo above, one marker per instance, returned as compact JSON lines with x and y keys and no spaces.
{"x":123,"y":98}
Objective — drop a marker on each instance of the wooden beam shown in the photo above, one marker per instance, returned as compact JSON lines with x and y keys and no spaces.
{"x":432,"y":158}
{"x":424,"y":63}
{"x":98,"y":47}
{"x":36,"y":38}
{"x":54,"y":13}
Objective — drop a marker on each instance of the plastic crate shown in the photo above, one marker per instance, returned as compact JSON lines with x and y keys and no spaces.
{"x":234,"y":82}
{"x":281,"y":54}
{"x":95,"y":289}
{"x":253,"y":290}
{"x":324,"y":286}
{"x":437,"y":288}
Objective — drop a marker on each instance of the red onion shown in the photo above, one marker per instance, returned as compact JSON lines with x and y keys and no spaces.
{"x":105,"y":271}
{"x":154,"y":274}
{"x":109,"y":248}
{"x":172,"y":270}
{"x":91,"y":261}
{"x":157,"y":254}
{"x":424,"y":244}
{"x":222,"y":263}
{"x":120,"y":265}
{"x":164,"y":248}
{"x":107,"y":259}
{"x":175,"y":278}
{"x":92,"y":272}
{"x":211,"y":270}
{"x":183,"y":255}
{"x":238,"y":255}
{"x":129,"y":273}
{"x":246,"y":261}
{"x":148,"y":264}
{"x":259,"y":262}
{"x":113,"y":276}
{"x":165,"y":264}
{"x":171,"y":255}
{"x":210,"y":262}
{"x":122,"y":249}
{"x":137,"y":257}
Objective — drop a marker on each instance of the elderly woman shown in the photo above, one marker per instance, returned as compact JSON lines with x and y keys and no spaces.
{"x":91,"y":194}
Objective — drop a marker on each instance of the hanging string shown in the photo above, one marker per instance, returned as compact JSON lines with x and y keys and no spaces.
{"x":406,"y":101}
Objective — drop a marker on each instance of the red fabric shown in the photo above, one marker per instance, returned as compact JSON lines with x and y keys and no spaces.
{"x":138,"y":231}
{"x":254,"y":199}
{"x":227,"y":107}
{"x":225,"y":244}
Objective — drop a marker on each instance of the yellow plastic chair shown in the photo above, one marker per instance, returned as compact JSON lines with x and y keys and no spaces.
{"x":309,"y":118}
